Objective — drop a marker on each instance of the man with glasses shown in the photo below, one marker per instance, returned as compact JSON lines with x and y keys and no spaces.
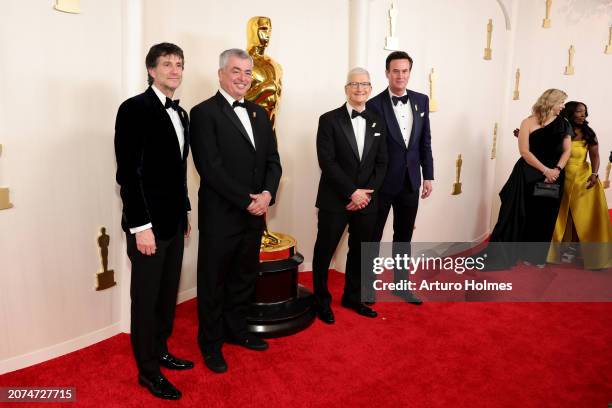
{"x":352,"y":154}
{"x":406,"y":115}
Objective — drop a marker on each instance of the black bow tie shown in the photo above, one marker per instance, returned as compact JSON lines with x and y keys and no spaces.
{"x":396,"y":99}
{"x":174,"y":104}
{"x":239,"y":104}
{"x":354,"y":114}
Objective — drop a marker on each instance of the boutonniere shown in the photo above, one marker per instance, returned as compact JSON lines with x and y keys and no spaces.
{"x":254,"y":114}
{"x":416,"y":108}
{"x":374,"y":124}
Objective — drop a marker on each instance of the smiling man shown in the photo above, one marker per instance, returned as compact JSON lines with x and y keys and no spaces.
{"x":151,"y":146}
{"x":352,"y":154}
{"x":235,"y":153}
{"x":406,"y":116}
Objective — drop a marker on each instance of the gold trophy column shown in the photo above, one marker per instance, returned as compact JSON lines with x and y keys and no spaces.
{"x":105,"y":278}
{"x":266,"y":92}
{"x":488,"y":52}
{"x":5,"y":202}
{"x":457,"y":184}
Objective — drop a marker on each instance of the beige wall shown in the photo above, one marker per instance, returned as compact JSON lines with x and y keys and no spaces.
{"x":60,"y":86}
{"x":61,"y":83}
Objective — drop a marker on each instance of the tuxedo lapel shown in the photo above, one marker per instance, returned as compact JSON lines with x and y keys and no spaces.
{"x":229,"y":112}
{"x":252,"y":118}
{"x":415,"y":117}
{"x":161,"y":112}
{"x":185,"y":122}
{"x":347,"y":128}
{"x":390,"y":119}
{"x":369,"y":138}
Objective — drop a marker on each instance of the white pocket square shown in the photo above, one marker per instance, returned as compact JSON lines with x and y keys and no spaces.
{"x":422,"y":114}
{"x":376,"y":134}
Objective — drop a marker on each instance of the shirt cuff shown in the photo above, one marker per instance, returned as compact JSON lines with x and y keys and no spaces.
{"x":141,"y":228}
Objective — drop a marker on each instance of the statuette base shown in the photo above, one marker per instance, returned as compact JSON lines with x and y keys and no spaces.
{"x":456,"y":189}
{"x":105,"y":280}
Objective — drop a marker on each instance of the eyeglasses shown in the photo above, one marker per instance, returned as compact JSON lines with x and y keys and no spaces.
{"x":357,"y":84}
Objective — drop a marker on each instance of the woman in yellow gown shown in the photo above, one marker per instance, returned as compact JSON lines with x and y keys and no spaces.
{"x":583,"y":214}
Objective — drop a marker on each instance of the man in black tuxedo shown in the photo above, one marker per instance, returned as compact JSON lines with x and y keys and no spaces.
{"x":352,"y":154}
{"x":151,"y":146}
{"x":406,"y":115}
{"x":235,"y":153}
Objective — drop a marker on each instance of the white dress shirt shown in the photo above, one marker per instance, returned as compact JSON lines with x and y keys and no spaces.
{"x":180,"y":135}
{"x":242,"y":113}
{"x":359,"y":127}
{"x":174,"y":117}
{"x":403,"y":114}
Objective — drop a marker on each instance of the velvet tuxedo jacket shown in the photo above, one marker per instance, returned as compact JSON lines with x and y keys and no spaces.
{"x":151,"y":171}
{"x":230,"y":167}
{"x":342,"y":171}
{"x":405,"y":161}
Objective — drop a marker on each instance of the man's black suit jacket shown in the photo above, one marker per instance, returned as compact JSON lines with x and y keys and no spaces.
{"x":405,"y":162}
{"x":342,"y":172}
{"x":229,"y":166}
{"x":150,"y":168}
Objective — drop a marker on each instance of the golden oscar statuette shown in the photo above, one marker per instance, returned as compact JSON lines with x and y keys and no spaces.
{"x":433,"y":101}
{"x":105,"y":278}
{"x":494,"y":148}
{"x":608,"y":49}
{"x":457,"y":184}
{"x":488,"y":52}
{"x":569,"y":69}
{"x":68,"y":6}
{"x":281,"y":306}
{"x":266,"y":91}
{"x":517,"y":79}
{"x":5,"y":202}
{"x":546,"y":21}
{"x":606,"y":183}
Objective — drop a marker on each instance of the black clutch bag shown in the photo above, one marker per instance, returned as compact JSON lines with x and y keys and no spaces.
{"x":549,"y":190}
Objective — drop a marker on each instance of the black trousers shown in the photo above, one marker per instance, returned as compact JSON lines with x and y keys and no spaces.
{"x":227,"y":268}
{"x":153,"y":290}
{"x":405,"y":206}
{"x":331,"y":226}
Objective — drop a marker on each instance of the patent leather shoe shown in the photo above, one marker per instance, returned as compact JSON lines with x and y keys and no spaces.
{"x":159,"y":386}
{"x":167,"y":360}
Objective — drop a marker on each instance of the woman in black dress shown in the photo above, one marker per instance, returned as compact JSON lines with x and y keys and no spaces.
{"x":527,"y":220}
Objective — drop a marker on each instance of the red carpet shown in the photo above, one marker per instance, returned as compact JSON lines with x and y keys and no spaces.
{"x":435,"y":355}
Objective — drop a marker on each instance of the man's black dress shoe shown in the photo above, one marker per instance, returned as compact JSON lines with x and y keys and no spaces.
{"x":408,"y":297}
{"x":159,"y":386}
{"x":249,"y":341}
{"x":326,"y":315}
{"x":360,"y":308}
{"x":214,"y":361}
{"x":169,"y":361}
